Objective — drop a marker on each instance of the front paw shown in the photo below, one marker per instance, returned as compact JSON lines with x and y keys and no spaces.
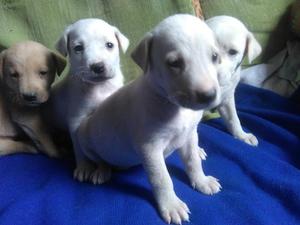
{"x":248,"y":138}
{"x":173,"y":210}
{"x":208,"y":185}
{"x":54,"y":154}
{"x":101,"y":174}
{"x":29,"y":148}
{"x":83,"y":171}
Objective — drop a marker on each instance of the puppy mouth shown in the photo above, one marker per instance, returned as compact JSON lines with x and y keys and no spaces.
{"x":96,"y":79}
{"x":186,"y":101}
{"x":33,"y":104}
{"x":89,"y":76}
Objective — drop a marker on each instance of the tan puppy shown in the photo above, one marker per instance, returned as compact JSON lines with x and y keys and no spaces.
{"x":27,"y":70}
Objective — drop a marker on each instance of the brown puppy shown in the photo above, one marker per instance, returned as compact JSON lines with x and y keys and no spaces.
{"x":27,"y":70}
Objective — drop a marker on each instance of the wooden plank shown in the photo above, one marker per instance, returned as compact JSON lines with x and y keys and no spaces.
{"x":197,"y":8}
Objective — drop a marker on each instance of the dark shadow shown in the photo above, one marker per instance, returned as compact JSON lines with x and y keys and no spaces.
{"x":132,"y":189}
{"x":279,"y":36}
{"x":179,"y":173}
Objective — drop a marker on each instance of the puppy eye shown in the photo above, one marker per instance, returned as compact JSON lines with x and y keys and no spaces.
{"x":78,"y":48}
{"x":215,"y":57}
{"x":175,"y":63}
{"x":43,"y":72}
{"x":109,"y":45}
{"x":232,"y":52}
{"x":14,"y":75}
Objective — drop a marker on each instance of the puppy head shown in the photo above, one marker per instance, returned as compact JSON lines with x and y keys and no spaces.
{"x":181,"y":61}
{"x":27,"y":70}
{"x":235,"y":42}
{"x":93,"y":49}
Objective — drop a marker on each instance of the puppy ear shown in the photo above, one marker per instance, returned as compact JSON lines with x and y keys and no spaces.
{"x":62,"y":44}
{"x":122,"y":40}
{"x":60,"y":63}
{"x":253,"y":47}
{"x":2,"y":55}
{"x":141,"y":53}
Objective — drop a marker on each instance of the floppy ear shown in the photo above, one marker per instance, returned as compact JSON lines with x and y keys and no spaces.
{"x":253,"y":47}
{"x":141,"y":53}
{"x":62,"y":44}
{"x":60,"y":63}
{"x":122,"y":40}
{"x":2,"y":54}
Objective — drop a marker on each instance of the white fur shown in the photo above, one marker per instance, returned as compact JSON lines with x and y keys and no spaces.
{"x":232,"y":35}
{"x":144,"y":121}
{"x":82,"y":90}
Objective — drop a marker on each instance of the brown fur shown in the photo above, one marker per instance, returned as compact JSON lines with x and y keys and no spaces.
{"x":26,"y":68}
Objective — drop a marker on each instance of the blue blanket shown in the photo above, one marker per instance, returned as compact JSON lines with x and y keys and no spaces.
{"x":260,"y":185}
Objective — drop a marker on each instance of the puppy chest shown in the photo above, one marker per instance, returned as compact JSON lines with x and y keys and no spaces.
{"x":180,"y":131}
{"x":7,"y":128}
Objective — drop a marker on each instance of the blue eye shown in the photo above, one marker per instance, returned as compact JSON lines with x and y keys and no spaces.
{"x":109,"y":45}
{"x":232,"y":52}
{"x":176,"y":63}
{"x":78,"y":48}
{"x":215,"y":57}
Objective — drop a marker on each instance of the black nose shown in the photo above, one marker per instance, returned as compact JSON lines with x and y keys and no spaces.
{"x":98,"y":67}
{"x":207,"y":96}
{"x":30,"y":97}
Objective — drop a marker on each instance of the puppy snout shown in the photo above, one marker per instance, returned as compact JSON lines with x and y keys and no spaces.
{"x":30,"y":97}
{"x":98,"y":68}
{"x":206,"y":96}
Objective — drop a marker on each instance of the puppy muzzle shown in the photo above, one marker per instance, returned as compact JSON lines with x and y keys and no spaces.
{"x":197,"y":100}
{"x":98,"y":73}
{"x":32,"y":99}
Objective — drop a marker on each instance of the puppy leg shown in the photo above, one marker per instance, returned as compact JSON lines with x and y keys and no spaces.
{"x":171,"y":208}
{"x":189,"y":154}
{"x":228,"y":112}
{"x":84,"y":167}
{"x":101,"y":174}
{"x":9,"y":146}
{"x":40,"y":136}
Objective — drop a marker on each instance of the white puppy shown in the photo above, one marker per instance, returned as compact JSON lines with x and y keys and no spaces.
{"x":235,"y":42}
{"x":93,"y":49}
{"x":144,"y":121}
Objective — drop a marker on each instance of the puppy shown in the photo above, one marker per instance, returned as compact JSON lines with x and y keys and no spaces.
{"x":92,"y":46}
{"x":27,"y":70}
{"x":235,"y":42}
{"x":144,"y":121}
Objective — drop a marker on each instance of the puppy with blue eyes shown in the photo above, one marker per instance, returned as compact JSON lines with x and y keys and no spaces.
{"x":92,"y":46}
{"x":235,"y":42}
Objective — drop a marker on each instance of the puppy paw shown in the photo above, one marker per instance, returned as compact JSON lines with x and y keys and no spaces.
{"x":173,"y":210}
{"x":249,"y":138}
{"x":54,"y":154}
{"x":83,"y":171}
{"x":207,"y":185}
{"x":101,"y":175}
{"x":31,"y":149}
{"x":202,"y":153}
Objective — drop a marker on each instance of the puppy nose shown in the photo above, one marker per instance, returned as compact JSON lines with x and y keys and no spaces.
{"x":98,"y":67}
{"x":29,"y":97}
{"x":206,"y":96}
